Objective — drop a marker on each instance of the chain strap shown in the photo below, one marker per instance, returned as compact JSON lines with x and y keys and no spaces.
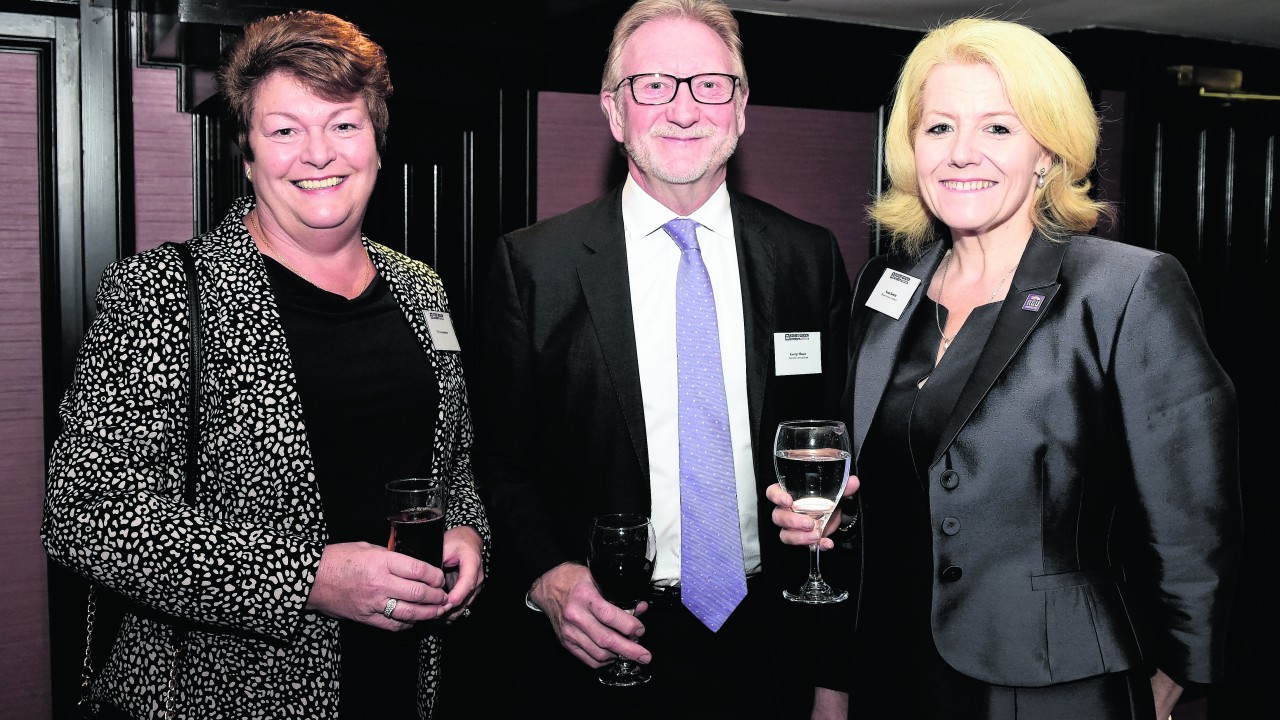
{"x":170,"y":710}
{"x":86,"y":672}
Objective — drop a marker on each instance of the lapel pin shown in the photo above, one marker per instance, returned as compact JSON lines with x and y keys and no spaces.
{"x":1033,"y":303}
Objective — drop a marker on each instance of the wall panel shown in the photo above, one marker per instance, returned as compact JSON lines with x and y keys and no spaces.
{"x":24,"y":633}
{"x":815,"y":164}
{"x":162,"y":171}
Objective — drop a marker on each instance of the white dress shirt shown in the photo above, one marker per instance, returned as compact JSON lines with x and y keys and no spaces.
{"x":652,"y":262}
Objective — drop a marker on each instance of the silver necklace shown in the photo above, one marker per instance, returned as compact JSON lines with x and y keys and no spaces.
{"x":937,"y":314}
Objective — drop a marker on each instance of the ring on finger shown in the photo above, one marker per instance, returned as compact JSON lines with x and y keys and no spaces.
{"x":391,"y":606}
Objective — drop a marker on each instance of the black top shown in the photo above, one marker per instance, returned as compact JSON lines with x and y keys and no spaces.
{"x":900,"y":671}
{"x":369,"y":399}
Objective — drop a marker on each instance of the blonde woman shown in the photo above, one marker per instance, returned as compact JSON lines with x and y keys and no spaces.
{"x":1045,"y":444}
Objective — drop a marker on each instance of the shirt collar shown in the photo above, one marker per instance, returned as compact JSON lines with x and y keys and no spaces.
{"x":642,"y":215}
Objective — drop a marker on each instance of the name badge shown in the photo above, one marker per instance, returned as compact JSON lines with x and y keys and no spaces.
{"x":441,"y":329}
{"x":892,"y":293}
{"x":797,"y":353}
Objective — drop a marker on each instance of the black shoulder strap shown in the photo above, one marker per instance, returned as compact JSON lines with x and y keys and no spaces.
{"x":193,"y":381}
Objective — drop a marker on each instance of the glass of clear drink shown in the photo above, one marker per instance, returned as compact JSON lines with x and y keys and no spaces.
{"x":811,"y":458}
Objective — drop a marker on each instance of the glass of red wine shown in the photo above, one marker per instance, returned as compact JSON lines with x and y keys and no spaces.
{"x":621,"y":555}
{"x":811,"y":458}
{"x":415,"y":508}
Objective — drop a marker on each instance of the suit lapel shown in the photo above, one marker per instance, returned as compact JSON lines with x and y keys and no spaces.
{"x":1033,"y":288}
{"x":606,"y":288}
{"x":757,"y":272}
{"x":878,"y":352}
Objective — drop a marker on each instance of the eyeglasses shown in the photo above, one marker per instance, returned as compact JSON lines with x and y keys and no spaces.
{"x":660,"y":88}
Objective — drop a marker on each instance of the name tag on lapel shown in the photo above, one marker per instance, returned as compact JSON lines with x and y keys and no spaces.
{"x":441,"y":329}
{"x":892,"y":293}
{"x":798,"y":353}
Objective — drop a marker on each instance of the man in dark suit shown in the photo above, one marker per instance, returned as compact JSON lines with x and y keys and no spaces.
{"x":588,"y":403}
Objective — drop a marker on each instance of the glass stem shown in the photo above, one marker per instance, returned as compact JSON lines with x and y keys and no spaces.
{"x":815,"y":569}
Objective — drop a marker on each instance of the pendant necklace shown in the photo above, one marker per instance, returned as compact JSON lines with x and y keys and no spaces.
{"x":937,"y":313}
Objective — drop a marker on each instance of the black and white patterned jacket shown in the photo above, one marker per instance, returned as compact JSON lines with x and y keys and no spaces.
{"x":239,"y":565}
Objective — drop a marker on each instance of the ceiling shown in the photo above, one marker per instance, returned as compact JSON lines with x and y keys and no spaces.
{"x":1253,"y":22}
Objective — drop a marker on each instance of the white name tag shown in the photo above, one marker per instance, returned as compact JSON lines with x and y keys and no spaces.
{"x":441,"y":329}
{"x":892,"y":293}
{"x":798,"y":353}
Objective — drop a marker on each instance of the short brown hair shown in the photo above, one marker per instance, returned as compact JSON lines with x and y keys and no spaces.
{"x":324,"y":53}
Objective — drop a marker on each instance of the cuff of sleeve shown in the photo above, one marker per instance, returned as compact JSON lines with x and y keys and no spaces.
{"x":850,"y":514}
{"x":529,"y":603}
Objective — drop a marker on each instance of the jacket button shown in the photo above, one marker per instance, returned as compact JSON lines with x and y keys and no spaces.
{"x":950,"y":525}
{"x":951,"y":574}
{"x":950,"y":479}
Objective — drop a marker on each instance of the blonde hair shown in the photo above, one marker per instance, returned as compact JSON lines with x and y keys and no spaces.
{"x":1047,"y":93}
{"x":712,"y":13}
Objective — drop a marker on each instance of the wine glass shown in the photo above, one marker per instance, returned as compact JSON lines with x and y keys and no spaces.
{"x":811,"y":458}
{"x":620,"y":556}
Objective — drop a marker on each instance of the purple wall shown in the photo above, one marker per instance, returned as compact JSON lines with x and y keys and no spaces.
{"x":816,"y":164}
{"x":162,"y":160}
{"x":24,"y":629}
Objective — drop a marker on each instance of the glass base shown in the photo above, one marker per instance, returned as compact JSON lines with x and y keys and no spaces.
{"x":623,"y":673}
{"x":816,"y":593}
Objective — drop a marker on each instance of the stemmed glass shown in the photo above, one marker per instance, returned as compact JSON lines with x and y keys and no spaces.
{"x":620,"y":556}
{"x":811,"y":458}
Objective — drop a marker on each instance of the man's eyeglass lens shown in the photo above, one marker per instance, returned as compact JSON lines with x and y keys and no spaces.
{"x":659,"y":89}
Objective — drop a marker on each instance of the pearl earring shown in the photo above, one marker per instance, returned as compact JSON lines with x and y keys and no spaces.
{"x":248,"y":173}
{"x":1040,"y":177}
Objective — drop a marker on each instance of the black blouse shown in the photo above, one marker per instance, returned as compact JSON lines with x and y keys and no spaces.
{"x":899,"y":669}
{"x":369,"y":398}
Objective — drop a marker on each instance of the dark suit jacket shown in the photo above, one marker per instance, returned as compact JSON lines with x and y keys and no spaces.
{"x":1096,"y":415}
{"x":561,"y":433}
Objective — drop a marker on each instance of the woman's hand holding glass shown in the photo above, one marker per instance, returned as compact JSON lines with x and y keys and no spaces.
{"x":799,"y":529}
{"x":463,"y":568}
{"x":356,"y":579}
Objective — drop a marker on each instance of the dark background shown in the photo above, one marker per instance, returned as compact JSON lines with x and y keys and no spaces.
{"x":1192,"y":176}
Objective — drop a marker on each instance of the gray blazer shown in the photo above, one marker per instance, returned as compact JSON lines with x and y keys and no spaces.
{"x":239,"y":565}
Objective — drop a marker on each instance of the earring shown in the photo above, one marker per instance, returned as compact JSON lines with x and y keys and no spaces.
{"x":248,"y":173}
{"x":1040,"y":177}
{"x":379,"y":163}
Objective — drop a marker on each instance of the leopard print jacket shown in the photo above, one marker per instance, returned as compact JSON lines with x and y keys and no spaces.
{"x":236,"y":567}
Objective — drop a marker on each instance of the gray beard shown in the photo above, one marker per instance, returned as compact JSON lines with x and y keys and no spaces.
{"x":645,"y":161}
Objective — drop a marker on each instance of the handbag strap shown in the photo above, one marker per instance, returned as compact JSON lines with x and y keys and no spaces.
{"x":193,"y":382}
{"x":188,"y":489}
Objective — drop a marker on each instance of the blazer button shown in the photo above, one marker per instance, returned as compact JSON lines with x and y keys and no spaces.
{"x":950,"y":526}
{"x":951,"y":574}
{"x":950,"y":479}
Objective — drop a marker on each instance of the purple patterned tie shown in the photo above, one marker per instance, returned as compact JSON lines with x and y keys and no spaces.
{"x":712,"y":578}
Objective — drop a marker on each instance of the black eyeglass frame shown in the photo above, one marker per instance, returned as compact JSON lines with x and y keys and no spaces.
{"x":630,"y":80}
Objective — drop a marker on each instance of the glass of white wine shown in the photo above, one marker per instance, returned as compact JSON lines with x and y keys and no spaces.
{"x":811,"y":458}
